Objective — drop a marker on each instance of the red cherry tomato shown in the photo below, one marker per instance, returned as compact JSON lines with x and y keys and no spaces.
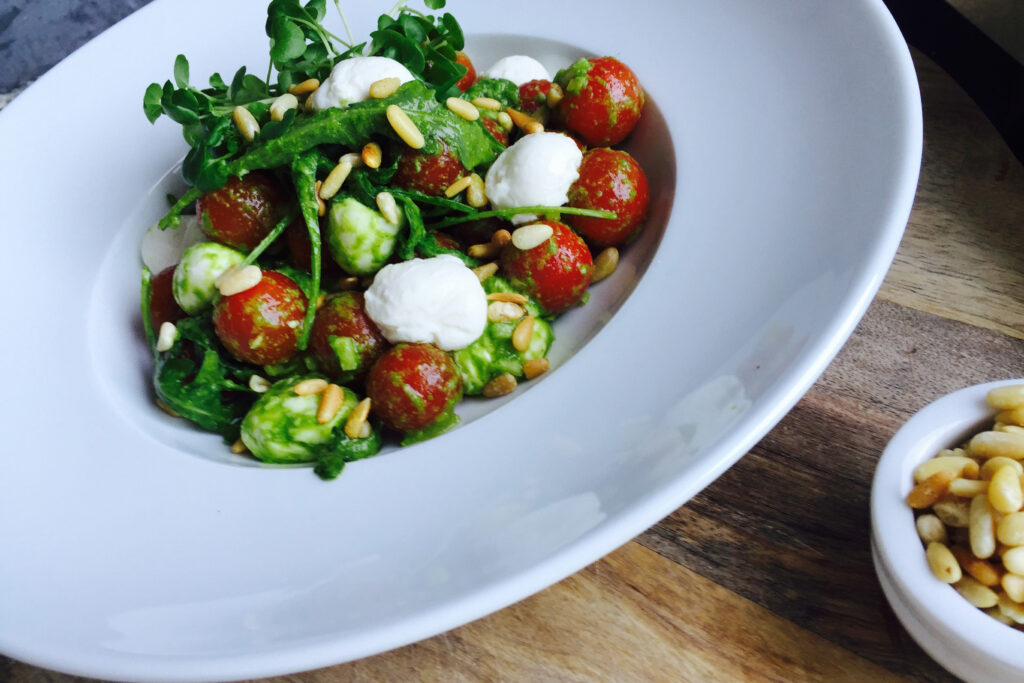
{"x":466,"y":81}
{"x":556,"y":273}
{"x":162,"y":306}
{"x":297,"y":238}
{"x":244,"y":211}
{"x":611,"y":180}
{"x":602,"y":102}
{"x":262,"y":324}
{"x":344,"y":315}
{"x":533,"y":95}
{"x":429,"y":173}
{"x":411,"y":385}
{"x":495,"y":129}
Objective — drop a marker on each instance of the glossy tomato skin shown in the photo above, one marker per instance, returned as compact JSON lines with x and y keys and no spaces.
{"x":411,"y":385}
{"x":602,"y":103}
{"x":163,"y":308}
{"x":344,"y":315}
{"x":495,"y":129}
{"x":464,"y":83}
{"x":610,"y":180}
{"x":296,"y":236}
{"x":555,"y":273}
{"x":533,"y":95}
{"x":244,"y":211}
{"x":262,"y":324}
{"x":428,"y":173}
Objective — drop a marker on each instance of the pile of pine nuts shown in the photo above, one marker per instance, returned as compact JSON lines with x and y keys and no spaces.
{"x":970,"y":504}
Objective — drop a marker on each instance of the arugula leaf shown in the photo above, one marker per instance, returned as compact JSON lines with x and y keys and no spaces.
{"x":304,"y":179}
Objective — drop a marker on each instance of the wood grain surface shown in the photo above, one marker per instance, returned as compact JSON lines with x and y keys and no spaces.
{"x":767,"y":574}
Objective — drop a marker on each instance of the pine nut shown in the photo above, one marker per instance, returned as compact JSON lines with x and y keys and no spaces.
{"x":235,"y":280}
{"x":385,"y":87}
{"x":926,"y":493}
{"x":954,"y":513}
{"x":1013,"y":559}
{"x":535,"y":367}
{"x":1004,"y":491}
{"x":523,"y":334}
{"x":476,"y":195}
{"x":461,"y":107}
{"x":281,"y":106}
{"x":980,"y":569}
{"x":308,"y":105}
{"x":605,"y":264}
{"x":372,"y":155}
{"x":504,"y":311}
{"x":486,"y":270}
{"x":1011,"y":610}
{"x":330,"y":403}
{"x":357,"y":420}
{"x":968,"y":488}
{"x":978,"y":595}
{"x":259,"y":384}
{"x":389,"y":208}
{"x":238,"y":447}
{"x":1006,"y":398}
{"x":335,"y":179}
{"x":485,"y":252}
{"x":992,"y":444}
{"x":458,"y":186}
{"x":953,"y":463}
{"x":501,"y":385}
{"x":246,"y":123}
{"x":555,"y":95}
{"x":942,"y":563}
{"x":527,"y":123}
{"x":355,"y":159}
{"x":404,"y":127}
{"x":1010,"y":529}
{"x":307,"y":86}
{"x":501,"y":237}
{"x":505,"y":121}
{"x":488,"y":103}
{"x":165,"y":339}
{"x":930,"y":528}
{"x":532,"y":235}
{"x":512,"y":297}
{"x":532,"y":127}
{"x":981,"y":529}
{"x":311,"y":386}
{"x":320,"y":299}
{"x":1013,"y":585}
{"x":321,"y":206}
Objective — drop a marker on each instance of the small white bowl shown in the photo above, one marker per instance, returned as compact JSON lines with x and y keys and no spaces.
{"x":957,"y":635}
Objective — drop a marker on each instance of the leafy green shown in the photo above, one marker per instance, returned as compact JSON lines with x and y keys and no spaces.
{"x":304,"y":179}
{"x":330,"y":460}
{"x":426,"y":45}
{"x":146,"y":297}
{"x":501,"y":89}
{"x":300,"y":47}
{"x":515,"y":211}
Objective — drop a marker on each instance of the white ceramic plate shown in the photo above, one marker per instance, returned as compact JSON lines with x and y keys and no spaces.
{"x":783,"y":144}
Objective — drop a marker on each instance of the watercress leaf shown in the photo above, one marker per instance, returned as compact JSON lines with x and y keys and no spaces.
{"x":151,"y":102}
{"x":274,"y":129}
{"x":398,"y":47}
{"x":315,"y":55}
{"x":236,"y":84}
{"x":287,"y":41}
{"x":385,"y":21}
{"x":354,"y":51}
{"x":217,"y":83}
{"x":453,"y":31}
{"x":448,"y":52}
{"x":218,"y":130}
{"x":194,"y":133}
{"x":434,"y":4}
{"x":253,"y":88}
{"x":181,"y":71}
{"x":212,"y":175}
{"x":317,"y":9}
{"x":412,"y":28}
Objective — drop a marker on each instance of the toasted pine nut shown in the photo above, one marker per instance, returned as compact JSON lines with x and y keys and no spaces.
{"x":385,"y":87}
{"x":504,"y":311}
{"x":505,"y":121}
{"x":246,"y":123}
{"x":235,"y":279}
{"x":968,"y":488}
{"x":532,"y":235}
{"x":165,"y":339}
{"x":348,"y":283}
{"x":980,"y":569}
{"x":1004,"y":491}
{"x":372,"y":155}
{"x":501,"y":237}
{"x":357,"y":419}
{"x":531,"y":127}
{"x":535,"y":367}
{"x":321,"y":206}
{"x":404,"y":127}
{"x":1013,"y":417}
{"x":1006,"y":398}
{"x":458,"y":186}
{"x":993,"y":464}
{"x":523,"y":334}
{"x":930,"y":490}
{"x":982,"y":528}
{"x":513,"y":297}
{"x":476,"y":195}
{"x":259,"y":384}
{"x":307,"y":86}
{"x":320,"y":299}
{"x":992,"y":444}
{"x":1013,"y":585}
{"x":555,"y":95}
{"x":486,"y":270}
{"x":1011,"y":610}
{"x":280,"y":106}
{"x":488,"y":103}
{"x":953,"y":463}
{"x":311,"y":386}
{"x":942,"y":563}
{"x":335,"y":179}
{"x":485,"y":252}
{"x":461,"y":107}
{"x":977,"y":594}
{"x":353,"y":158}
{"x":330,"y":403}
{"x":526,"y":123}
{"x":307,"y":106}
{"x":954,"y":513}
{"x":1013,"y":559}
{"x":930,"y":528}
{"x":605,"y":264}
{"x":389,"y":208}
{"x":501,"y":385}
{"x":1010,"y":529}
{"x":238,"y":447}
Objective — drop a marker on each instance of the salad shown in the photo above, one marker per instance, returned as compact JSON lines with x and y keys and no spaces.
{"x":376,"y":231}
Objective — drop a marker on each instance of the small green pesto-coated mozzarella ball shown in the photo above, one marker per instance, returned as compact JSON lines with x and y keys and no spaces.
{"x":360,"y":239}
{"x":194,"y":277}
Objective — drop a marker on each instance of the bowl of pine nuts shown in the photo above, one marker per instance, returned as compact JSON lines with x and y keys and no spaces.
{"x":947,"y":528}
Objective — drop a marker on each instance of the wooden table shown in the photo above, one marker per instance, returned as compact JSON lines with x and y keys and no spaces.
{"x":767,"y":574}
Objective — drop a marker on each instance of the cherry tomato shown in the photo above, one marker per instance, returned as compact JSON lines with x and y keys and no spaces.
{"x":343,"y":316}
{"x":411,"y":385}
{"x":495,"y":129}
{"x":163,"y":308}
{"x":466,"y":81}
{"x":556,"y":273}
{"x":613,"y":181}
{"x":262,"y":324}
{"x":533,"y":95}
{"x":296,"y":236}
{"x":602,"y":102}
{"x":429,"y":173}
{"x":244,"y":211}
